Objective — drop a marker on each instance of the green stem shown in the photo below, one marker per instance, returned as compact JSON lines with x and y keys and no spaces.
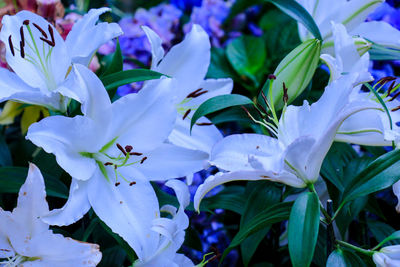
{"x":358,"y":249}
{"x":337,"y":211}
{"x":324,"y":212}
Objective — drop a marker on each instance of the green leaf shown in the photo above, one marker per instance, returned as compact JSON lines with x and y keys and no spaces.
{"x":380,"y":174}
{"x":219,"y":65}
{"x":303,"y":229}
{"x":336,"y":259}
{"x":383,"y":233}
{"x":262,"y":194}
{"x":5,"y":155}
{"x":290,"y":7}
{"x":230,"y":198}
{"x":218,"y":103}
{"x":275,"y":213}
{"x":117,"y":79}
{"x":247,"y":56}
{"x":12,"y":178}
{"x":116,"y":63}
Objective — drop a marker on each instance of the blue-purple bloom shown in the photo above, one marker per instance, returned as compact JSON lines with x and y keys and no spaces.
{"x":186,"y":5}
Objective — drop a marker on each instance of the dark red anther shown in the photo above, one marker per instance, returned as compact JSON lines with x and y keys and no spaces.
{"x":199,"y":93}
{"x":128,"y":148}
{"x":186,"y":114}
{"x":47,"y":41}
{"x":285,"y":93}
{"x":22,"y":51}
{"x":41,"y":30}
{"x":121,"y":149}
{"x":117,"y":183}
{"x":271,"y":77}
{"x":395,"y":96}
{"x":11,"y":45}
{"x":26,"y":22}
{"x":386,"y":79}
{"x":21,"y":32}
{"x":204,"y":123}
{"x":391,"y":87}
{"x":51,"y":34}
{"x":132,"y":183}
{"x":194,"y":92}
{"x":396,"y":108}
{"x":143,"y":159}
{"x":108,"y":163}
{"x":115,"y":166}
{"x":264,"y":97}
{"x":135,"y":154}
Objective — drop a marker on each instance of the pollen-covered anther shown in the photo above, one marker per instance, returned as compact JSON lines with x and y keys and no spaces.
{"x":271,"y":77}
{"x":135,"y":154}
{"x":51,"y":34}
{"x":26,"y":22}
{"x":128,"y":148}
{"x":117,"y":183}
{"x":186,"y":114}
{"x":196,"y":93}
{"x":396,"y":108}
{"x":11,"y":45}
{"x":143,"y":159}
{"x":132,"y":183}
{"x":121,"y":149}
{"x":108,"y":163}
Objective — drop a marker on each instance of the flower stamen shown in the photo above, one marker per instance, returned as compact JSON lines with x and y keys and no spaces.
{"x":11,"y":46}
{"x":186,"y":114}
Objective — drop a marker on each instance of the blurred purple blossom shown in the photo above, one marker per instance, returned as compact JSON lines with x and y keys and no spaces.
{"x":186,"y":5}
{"x":387,"y":13}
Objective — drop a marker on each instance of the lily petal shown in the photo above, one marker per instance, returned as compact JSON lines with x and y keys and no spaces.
{"x":157,"y":50}
{"x":232,"y":152}
{"x":187,"y":61}
{"x":379,"y":32}
{"x":77,"y":205}
{"x":86,"y":36}
{"x":32,"y":198}
{"x":170,"y":161}
{"x":66,"y":138}
{"x":127,"y":210}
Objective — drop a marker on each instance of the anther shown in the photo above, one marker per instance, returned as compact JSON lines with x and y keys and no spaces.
{"x":47,"y":41}
{"x":199,"y":93}
{"x":21,"y":32}
{"x":135,"y":154}
{"x":143,"y":159}
{"x":26,"y":22}
{"x":132,"y":183}
{"x":11,"y":45}
{"x":386,"y":79}
{"x":186,"y":114}
{"x":115,"y":166}
{"x":51,"y":34}
{"x":128,"y":148}
{"x":41,"y":30}
{"x":271,"y":77}
{"x":108,"y":163}
{"x":285,"y":94}
{"x":204,"y":123}
{"x":264,"y":97}
{"x":117,"y":183}
{"x":396,"y":108}
{"x":22,"y":51}
{"x":121,"y":149}
{"x":194,"y":92}
{"x":395,"y":96}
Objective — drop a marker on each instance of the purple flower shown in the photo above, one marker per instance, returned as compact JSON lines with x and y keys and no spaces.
{"x":186,"y":5}
{"x":387,"y":13}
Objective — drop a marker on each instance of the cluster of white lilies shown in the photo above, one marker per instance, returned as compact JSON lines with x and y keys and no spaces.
{"x":114,"y":150}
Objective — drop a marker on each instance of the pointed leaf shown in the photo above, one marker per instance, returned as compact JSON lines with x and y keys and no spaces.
{"x":303,"y":229}
{"x":120,"y":78}
{"x":116,"y":63}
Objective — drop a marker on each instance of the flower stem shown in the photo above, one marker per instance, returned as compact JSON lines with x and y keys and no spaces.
{"x":358,"y":249}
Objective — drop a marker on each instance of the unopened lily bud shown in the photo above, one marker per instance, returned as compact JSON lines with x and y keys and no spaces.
{"x":296,"y":71}
{"x":387,"y":256}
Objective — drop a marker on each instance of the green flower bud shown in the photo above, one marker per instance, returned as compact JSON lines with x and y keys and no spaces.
{"x":295,"y":71}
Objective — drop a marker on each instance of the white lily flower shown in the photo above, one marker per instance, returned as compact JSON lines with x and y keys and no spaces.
{"x":170,"y":233}
{"x":25,"y":240}
{"x":352,"y":15}
{"x":304,"y":136}
{"x":113,"y":151}
{"x":387,"y":257}
{"x":42,"y":60}
{"x":188,"y":63}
